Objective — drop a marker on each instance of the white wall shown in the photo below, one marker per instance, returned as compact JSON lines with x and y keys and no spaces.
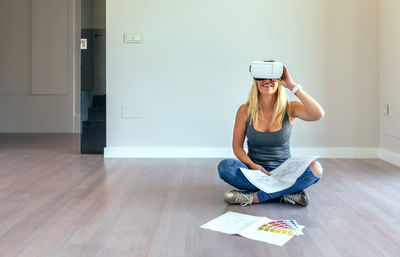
{"x":20,"y":110}
{"x":186,"y":80}
{"x":389,"y":53}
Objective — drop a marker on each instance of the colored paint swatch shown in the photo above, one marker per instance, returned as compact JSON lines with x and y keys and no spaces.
{"x":278,"y":229}
{"x":281,"y":224}
{"x":289,"y":227}
{"x":293,"y":223}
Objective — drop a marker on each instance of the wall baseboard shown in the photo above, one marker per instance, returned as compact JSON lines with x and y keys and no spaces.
{"x":206,"y":152}
{"x":389,"y":156}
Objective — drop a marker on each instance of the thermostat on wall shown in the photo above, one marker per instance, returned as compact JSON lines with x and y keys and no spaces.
{"x":132,"y":37}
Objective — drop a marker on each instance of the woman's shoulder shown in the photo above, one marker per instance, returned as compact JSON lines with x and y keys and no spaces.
{"x":242,"y":112}
{"x":243,"y":108}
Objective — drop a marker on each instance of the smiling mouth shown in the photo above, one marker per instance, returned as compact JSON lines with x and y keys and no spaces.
{"x":267,"y":85}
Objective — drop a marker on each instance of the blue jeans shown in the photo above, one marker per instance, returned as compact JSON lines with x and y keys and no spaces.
{"x":229,"y":171}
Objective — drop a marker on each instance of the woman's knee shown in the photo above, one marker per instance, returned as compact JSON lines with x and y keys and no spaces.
{"x":316,"y":168}
{"x":227,"y":169}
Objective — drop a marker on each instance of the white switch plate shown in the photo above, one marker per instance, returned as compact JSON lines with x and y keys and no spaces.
{"x":84,"y":43}
{"x":132,"y":37}
{"x":386,"y":109}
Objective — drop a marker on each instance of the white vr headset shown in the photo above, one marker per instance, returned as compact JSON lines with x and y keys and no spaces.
{"x":266,"y":70}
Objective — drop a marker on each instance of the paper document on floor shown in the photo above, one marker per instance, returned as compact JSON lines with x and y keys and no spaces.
{"x":276,"y":232}
{"x":231,"y":222}
{"x":282,"y":177}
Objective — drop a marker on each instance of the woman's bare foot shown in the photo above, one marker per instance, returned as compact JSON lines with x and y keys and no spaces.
{"x":255,"y":198}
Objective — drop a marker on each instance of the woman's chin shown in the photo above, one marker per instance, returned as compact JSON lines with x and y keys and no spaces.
{"x":267,"y":90}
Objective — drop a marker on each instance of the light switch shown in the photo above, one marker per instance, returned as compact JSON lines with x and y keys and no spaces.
{"x":83,"y":43}
{"x":132,"y":37}
{"x":386,"y":109}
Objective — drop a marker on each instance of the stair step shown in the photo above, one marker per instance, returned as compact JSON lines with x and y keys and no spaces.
{"x":99,"y":101}
{"x":97,"y":116}
{"x":93,"y":126}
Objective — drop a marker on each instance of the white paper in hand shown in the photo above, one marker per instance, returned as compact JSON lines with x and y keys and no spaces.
{"x":282,"y":177}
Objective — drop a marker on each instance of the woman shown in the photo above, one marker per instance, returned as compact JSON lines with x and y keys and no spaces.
{"x":266,"y":119}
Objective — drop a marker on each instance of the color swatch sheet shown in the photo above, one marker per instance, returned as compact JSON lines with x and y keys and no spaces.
{"x":273,"y":231}
{"x":282,"y":177}
{"x":289,"y":227}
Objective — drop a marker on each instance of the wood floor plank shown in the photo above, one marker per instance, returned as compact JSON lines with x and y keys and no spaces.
{"x":56,"y":202}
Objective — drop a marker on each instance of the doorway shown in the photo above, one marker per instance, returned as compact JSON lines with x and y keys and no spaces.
{"x":93,"y":76}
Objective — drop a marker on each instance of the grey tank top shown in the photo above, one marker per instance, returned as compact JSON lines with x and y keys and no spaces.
{"x":269,"y":148}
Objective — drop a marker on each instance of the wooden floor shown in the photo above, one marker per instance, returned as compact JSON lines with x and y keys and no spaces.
{"x":56,"y":202}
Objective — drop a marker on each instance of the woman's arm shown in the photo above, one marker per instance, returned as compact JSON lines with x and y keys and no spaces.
{"x":308,"y":109}
{"x":239,"y":133}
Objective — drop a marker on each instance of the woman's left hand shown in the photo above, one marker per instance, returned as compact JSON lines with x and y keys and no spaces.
{"x":286,"y":80}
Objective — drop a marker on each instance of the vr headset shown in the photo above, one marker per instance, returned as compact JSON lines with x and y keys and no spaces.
{"x":266,"y":70}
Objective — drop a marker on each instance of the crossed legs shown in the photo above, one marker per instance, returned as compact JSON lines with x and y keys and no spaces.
{"x":229,"y":171}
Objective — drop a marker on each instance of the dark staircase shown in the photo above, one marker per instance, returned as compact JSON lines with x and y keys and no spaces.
{"x":93,"y":130}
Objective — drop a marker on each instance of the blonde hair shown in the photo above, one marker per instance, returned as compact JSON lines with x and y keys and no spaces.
{"x":254,"y":105}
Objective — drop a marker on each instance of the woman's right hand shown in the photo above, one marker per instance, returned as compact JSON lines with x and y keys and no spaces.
{"x":259,"y":167}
